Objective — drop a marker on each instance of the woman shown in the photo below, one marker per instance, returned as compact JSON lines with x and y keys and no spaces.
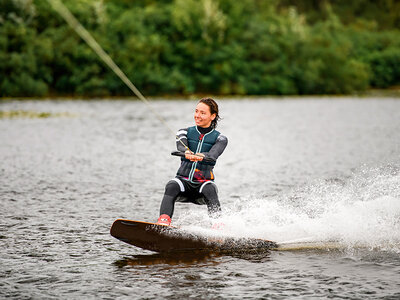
{"x":194,"y":181}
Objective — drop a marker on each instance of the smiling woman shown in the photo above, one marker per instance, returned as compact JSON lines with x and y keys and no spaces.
{"x":206,"y":113}
{"x":194,"y":181}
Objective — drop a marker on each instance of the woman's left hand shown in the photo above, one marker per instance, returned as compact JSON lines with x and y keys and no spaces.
{"x":194,"y":157}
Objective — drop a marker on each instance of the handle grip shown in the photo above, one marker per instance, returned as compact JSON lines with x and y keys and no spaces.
{"x":182,"y":154}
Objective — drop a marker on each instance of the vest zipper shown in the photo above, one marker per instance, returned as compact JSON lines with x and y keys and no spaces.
{"x":201,"y":139}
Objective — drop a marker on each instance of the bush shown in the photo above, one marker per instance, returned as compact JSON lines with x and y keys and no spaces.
{"x":193,"y":46}
{"x":385,"y":67}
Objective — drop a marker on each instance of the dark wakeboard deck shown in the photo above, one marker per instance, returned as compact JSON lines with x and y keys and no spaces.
{"x":160,"y":238}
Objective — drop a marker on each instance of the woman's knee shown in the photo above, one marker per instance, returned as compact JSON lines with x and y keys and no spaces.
{"x":210,"y":190}
{"x":172,"y":188}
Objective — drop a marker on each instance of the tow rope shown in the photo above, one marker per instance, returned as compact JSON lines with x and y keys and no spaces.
{"x":88,"y":38}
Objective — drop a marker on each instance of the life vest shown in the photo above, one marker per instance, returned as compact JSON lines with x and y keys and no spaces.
{"x":198,"y":143}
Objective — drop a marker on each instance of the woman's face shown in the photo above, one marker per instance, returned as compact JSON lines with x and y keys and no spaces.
{"x":203,"y":116}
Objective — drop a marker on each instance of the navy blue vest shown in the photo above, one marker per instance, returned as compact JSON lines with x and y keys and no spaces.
{"x":201,"y":143}
{"x":198,"y":143}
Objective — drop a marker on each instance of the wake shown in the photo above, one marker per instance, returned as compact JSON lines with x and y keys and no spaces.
{"x":360,"y":211}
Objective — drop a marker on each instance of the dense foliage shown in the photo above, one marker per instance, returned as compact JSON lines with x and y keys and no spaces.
{"x":201,"y":46}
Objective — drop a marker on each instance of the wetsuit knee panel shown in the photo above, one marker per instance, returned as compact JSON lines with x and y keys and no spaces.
{"x":172,"y":188}
{"x":209,"y":189}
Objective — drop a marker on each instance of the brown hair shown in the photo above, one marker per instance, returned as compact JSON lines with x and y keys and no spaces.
{"x":213,"y":109}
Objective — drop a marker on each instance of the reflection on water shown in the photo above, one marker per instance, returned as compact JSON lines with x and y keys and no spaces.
{"x":191,"y":258}
{"x":172,"y":259}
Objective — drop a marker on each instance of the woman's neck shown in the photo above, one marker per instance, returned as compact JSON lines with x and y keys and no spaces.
{"x":204,"y":130}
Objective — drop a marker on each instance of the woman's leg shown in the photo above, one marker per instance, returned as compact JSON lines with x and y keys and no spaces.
{"x":172,"y":190}
{"x":210,"y":193}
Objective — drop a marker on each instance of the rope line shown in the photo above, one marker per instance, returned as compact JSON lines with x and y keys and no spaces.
{"x":87,"y":37}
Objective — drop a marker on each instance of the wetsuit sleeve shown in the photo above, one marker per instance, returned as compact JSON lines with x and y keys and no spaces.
{"x":181,"y":137}
{"x":217,"y":149}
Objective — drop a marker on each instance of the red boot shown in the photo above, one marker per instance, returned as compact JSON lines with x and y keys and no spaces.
{"x":164,"y":220}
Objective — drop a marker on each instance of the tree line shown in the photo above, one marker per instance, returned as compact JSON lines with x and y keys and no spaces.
{"x":181,"y":47}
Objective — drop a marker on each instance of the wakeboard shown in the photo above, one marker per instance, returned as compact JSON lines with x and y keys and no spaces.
{"x":162,"y":239}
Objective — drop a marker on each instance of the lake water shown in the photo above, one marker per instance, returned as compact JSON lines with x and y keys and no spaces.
{"x":295,"y":169}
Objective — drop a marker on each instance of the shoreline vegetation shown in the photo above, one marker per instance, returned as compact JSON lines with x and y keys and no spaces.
{"x":29,"y":114}
{"x":391,"y":92}
{"x":180,"y":48}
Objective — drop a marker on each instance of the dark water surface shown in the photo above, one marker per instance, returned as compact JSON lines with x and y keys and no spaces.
{"x":301,"y":170}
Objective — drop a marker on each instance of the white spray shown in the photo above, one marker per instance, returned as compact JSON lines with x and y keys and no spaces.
{"x":360,"y":211}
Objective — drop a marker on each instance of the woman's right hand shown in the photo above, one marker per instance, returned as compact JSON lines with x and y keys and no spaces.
{"x":193,"y":157}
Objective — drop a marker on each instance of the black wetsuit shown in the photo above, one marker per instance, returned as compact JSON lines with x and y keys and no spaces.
{"x":194,"y":181}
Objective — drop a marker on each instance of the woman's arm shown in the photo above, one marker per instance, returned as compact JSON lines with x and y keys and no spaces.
{"x":217,"y":149}
{"x":181,"y":140}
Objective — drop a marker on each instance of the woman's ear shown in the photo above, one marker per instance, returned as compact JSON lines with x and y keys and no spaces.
{"x":213,"y":116}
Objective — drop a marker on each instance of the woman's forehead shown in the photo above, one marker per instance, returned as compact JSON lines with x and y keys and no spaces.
{"x":203,"y":107}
